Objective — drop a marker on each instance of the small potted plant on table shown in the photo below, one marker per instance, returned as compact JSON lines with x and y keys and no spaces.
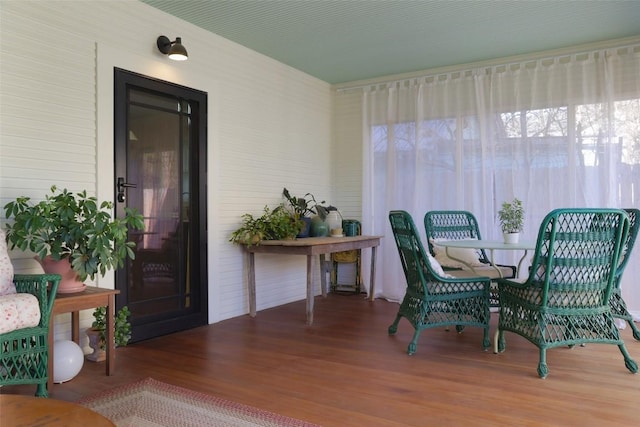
{"x":96,"y":333}
{"x":511,"y":216}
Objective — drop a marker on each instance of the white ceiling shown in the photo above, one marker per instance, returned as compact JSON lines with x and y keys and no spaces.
{"x":349,"y":40}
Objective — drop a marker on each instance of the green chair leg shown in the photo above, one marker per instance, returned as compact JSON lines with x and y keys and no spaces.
{"x":634,"y":328}
{"x":501,"y":342}
{"x":486,"y":342}
{"x":543,"y":370}
{"x":413,"y":345}
{"x":41,"y":390}
{"x":394,"y":326}
{"x":631,"y":364}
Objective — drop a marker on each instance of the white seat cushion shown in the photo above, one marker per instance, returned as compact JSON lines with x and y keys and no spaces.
{"x":437,"y":268}
{"x":468,"y":255}
{"x":6,"y":268}
{"x":18,"y":311}
{"x":484,"y":271}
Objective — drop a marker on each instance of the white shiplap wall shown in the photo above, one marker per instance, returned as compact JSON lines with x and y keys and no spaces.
{"x":347,"y":153}
{"x":269,"y":126}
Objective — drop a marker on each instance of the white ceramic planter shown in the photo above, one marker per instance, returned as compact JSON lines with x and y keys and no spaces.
{"x":511,"y":238}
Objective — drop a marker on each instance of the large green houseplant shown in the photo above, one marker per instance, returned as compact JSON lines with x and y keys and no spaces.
{"x":72,"y":227}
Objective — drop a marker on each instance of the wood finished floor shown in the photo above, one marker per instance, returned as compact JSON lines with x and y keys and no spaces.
{"x":345,"y":370}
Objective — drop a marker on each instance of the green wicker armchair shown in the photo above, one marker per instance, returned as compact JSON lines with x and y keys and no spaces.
{"x":565,"y":300}
{"x":432,"y":299}
{"x":24,"y":352}
{"x":459,"y":225}
{"x":618,"y":306}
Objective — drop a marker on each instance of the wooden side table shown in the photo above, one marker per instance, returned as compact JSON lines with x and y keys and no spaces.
{"x":91,"y":297}
{"x":22,"y":411}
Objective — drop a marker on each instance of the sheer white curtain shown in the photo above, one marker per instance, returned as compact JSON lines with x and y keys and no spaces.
{"x":555,"y":132}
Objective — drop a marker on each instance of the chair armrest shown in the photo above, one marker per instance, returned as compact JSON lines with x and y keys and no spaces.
{"x":43,"y":287}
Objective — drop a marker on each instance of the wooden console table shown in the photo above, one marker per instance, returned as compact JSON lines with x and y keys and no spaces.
{"x":310,"y":246}
{"x":91,"y":297}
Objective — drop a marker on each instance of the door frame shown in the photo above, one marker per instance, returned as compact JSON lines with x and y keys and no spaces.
{"x":197,"y":247}
{"x":183,"y":73}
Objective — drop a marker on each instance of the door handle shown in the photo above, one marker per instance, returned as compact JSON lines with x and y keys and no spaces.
{"x":122,"y":185}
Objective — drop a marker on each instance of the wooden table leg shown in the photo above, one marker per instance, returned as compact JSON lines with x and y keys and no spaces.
{"x":323,"y":276}
{"x":372,"y":279}
{"x":75,"y":327}
{"x":109,"y":335}
{"x":310,"y":259}
{"x":251,"y":283}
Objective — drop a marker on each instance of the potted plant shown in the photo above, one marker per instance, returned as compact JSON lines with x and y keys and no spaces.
{"x":318,"y":225}
{"x":96,"y":333}
{"x":72,"y":235}
{"x":276,"y":224}
{"x":302,"y":208}
{"x":511,"y":216}
{"x":327,"y":220}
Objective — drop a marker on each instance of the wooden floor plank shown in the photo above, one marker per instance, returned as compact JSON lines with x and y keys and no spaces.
{"x":345,"y":370}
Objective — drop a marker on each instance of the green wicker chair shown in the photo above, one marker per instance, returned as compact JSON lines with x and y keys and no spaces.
{"x":618,"y":306}
{"x":458,"y":225}
{"x":24,"y":352}
{"x":565,"y":299}
{"x":432,"y":299}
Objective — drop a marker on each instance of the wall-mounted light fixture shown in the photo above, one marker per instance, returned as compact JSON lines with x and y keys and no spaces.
{"x":174,"y":49}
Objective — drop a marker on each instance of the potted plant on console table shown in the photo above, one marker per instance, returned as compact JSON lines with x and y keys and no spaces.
{"x":303,"y":207}
{"x":72,"y":235}
{"x":273,"y":224}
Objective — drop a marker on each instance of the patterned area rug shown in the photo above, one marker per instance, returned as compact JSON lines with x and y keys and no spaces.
{"x":151,"y":403}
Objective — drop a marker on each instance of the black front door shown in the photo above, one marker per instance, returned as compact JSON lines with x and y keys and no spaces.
{"x":160,"y":170}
